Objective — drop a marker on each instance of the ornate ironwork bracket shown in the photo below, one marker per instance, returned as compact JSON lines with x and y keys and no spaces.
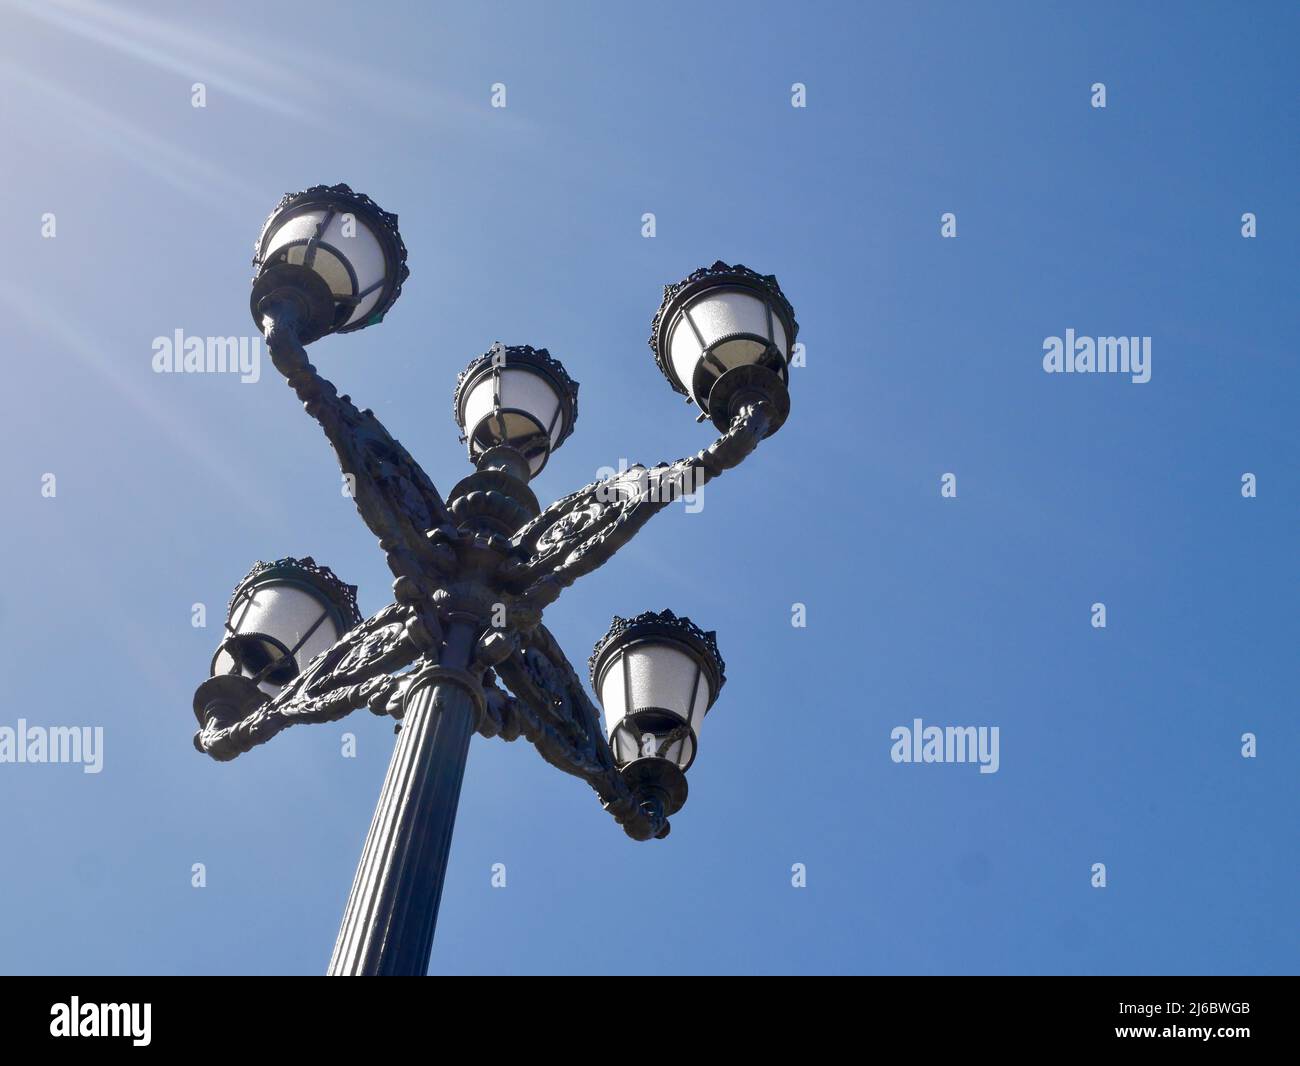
{"x":445,"y":565}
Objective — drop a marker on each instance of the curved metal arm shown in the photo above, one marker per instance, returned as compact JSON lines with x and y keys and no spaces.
{"x":393,"y":494}
{"x":582,"y":531}
{"x":553,"y":712}
{"x":354,"y":673}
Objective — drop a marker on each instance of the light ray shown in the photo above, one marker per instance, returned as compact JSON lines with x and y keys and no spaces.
{"x":46,"y":323}
{"x":217,"y":187}
{"x":178,"y":51}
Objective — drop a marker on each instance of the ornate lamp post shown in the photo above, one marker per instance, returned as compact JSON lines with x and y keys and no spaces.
{"x":473,"y":574}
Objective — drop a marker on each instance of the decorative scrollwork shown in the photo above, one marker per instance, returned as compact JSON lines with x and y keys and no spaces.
{"x":582,"y":531}
{"x":422,"y":543}
{"x":554,"y":713}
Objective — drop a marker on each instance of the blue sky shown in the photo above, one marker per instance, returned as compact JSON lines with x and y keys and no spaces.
{"x":1119,"y":745}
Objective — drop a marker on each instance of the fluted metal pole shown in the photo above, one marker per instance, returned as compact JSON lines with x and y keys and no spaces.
{"x":391,"y":912}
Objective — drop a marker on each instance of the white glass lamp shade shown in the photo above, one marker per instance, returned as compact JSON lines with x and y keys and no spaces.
{"x":280,"y":619}
{"x":656,"y":678}
{"x":721,"y":318}
{"x":346,"y":243}
{"x":354,"y":267}
{"x":515,"y":407}
{"x":518,"y":397}
{"x":724,"y":328}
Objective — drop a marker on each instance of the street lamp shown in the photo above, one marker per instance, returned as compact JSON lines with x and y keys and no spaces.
{"x":656,"y":676}
{"x":338,"y":251}
{"x":517,"y":397}
{"x":462,"y":648}
{"x":724,"y":336}
{"x":280,"y":617}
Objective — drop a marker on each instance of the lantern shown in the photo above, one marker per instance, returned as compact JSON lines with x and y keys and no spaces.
{"x":281,"y":616}
{"x":516,"y":397}
{"x":656,"y":676}
{"x":337,"y":252}
{"x":723,"y":337}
